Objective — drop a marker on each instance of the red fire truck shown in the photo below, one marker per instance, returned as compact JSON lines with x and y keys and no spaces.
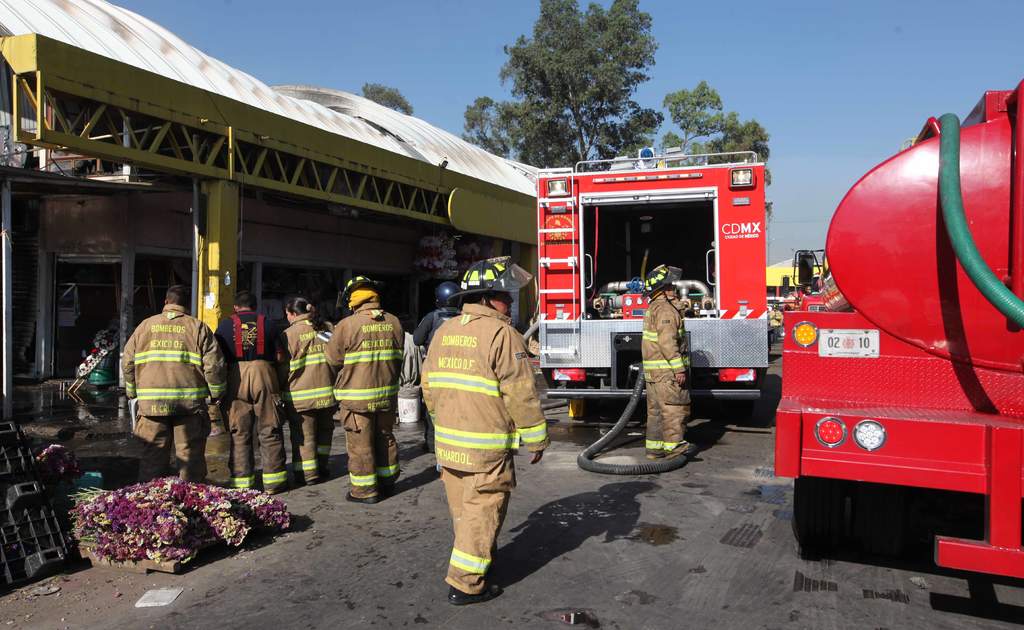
{"x":603,"y":224}
{"x":902,"y":415}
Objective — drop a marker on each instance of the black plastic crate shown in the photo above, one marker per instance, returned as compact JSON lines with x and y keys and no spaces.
{"x":16,"y":462}
{"x":32,"y":545}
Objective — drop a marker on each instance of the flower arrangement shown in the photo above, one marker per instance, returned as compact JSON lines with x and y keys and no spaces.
{"x":103,"y":343}
{"x":57,"y":464}
{"x":170,"y":519}
{"x":435,"y":256}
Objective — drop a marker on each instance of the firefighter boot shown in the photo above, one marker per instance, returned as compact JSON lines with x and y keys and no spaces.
{"x":458,"y":598}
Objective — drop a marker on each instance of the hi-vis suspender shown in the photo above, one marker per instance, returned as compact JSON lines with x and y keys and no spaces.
{"x":260,"y":343}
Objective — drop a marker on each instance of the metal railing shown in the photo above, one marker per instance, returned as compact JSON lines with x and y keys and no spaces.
{"x":670,"y":160}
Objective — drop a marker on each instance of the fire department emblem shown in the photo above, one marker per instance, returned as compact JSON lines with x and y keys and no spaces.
{"x":249,"y":332}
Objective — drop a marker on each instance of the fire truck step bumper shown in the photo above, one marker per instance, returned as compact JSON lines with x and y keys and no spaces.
{"x":1001,"y":552}
{"x":978,"y":556}
{"x":715,"y":394}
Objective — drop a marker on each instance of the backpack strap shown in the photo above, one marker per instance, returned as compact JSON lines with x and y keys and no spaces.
{"x":237,"y":325}
{"x":260,"y":341}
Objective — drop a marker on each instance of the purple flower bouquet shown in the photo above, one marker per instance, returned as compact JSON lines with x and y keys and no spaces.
{"x":57,"y":464}
{"x":169,"y":519}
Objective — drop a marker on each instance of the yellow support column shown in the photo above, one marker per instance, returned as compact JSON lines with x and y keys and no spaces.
{"x":218,"y":251}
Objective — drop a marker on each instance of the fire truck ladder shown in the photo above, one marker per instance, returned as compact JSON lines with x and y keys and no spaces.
{"x":568,"y":323}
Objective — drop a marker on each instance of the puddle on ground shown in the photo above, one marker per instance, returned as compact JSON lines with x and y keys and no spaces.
{"x":656,"y":535}
{"x":94,"y":424}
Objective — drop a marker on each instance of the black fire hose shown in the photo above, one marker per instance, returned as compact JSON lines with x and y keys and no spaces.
{"x":585,"y":459}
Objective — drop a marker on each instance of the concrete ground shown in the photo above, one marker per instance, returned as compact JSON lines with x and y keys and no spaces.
{"x":706,"y":546}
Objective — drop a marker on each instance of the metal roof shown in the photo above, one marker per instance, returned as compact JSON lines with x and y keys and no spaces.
{"x":119,"y":34}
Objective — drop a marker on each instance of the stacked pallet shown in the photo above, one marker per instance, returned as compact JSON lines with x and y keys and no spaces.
{"x":32,"y":544}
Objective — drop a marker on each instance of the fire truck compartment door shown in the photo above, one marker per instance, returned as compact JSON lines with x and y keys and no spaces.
{"x":629,"y":197}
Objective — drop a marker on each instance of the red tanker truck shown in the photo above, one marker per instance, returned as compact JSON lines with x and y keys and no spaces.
{"x":903,"y":402}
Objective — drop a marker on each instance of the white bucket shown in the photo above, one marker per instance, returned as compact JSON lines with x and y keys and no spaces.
{"x":409,"y":409}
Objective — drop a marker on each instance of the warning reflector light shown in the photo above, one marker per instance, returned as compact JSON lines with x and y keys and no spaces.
{"x":741,"y":177}
{"x":830,"y":431}
{"x":736,"y":375}
{"x":558,"y":187}
{"x":869,"y":435}
{"x":570,"y":374}
{"x":805,"y":334}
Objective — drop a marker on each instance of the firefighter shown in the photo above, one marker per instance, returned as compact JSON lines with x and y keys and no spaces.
{"x":307,"y":388}
{"x":425,"y":333}
{"x":479,"y":385}
{"x":252,"y":397}
{"x":172,"y":365}
{"x":665,"y":362}
{"x":366,"y":348}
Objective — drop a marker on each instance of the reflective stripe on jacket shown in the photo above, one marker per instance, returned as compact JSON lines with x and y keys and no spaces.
{"x":479,"y":387}
{"x":366,"y":348}
{"x":663,"y":343}
{"x":307,"y":379}
{"x":172,"y":364}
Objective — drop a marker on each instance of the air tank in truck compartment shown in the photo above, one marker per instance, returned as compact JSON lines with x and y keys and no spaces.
{"x":892,"y":260}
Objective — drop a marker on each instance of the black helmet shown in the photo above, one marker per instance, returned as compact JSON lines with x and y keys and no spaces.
{"x":492,"y":276}
{"x":660,"y":278}
{"x":358,"y":282}
{"x":444,"y":292}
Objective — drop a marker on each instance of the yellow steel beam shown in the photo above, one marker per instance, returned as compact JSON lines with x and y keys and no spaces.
{"x":73,"y":92}
{"x":218,"y":251}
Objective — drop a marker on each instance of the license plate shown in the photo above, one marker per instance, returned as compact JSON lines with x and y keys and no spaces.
{"x":839,"y":342}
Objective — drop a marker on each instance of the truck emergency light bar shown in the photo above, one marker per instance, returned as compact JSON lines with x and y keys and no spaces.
{"x":646,"y":178}
{"x":699,"y":160}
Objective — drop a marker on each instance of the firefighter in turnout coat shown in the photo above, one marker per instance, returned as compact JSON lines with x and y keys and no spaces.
{"x":479,"y":388}
{"x":366,"y":348}
{"x":307,"y":388}
{"x":171,"y":366}
{"x":666,"y":362}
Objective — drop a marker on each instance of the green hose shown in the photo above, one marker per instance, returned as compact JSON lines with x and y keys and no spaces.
{"x":960,"y":234}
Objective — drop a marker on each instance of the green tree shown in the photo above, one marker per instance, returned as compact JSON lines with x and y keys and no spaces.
{"x":491,"y":125}
{"x":572,"y":83}
{"x":697,"y":113}
{"x":705,"y":126}
{"x":387,"y":96}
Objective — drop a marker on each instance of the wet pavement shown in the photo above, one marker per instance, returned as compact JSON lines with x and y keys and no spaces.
{"x":709,"y":545}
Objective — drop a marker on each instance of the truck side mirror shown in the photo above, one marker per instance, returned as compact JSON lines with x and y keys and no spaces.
{"x":786,"y":287}
{"x":805,"y":268}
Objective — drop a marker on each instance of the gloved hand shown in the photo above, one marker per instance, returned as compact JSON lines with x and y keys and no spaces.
{"x":216,"y":419}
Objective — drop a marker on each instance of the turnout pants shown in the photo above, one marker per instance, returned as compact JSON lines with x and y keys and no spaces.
{"x":250,"y":404}
{"x":372,"y":451}
{"x":668,"y":409}
{"x":311,"y":433}
{"x":188,"y":435}
{"x":478,"y":503}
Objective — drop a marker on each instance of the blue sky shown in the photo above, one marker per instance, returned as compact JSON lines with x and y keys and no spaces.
{"x":838,"y":85}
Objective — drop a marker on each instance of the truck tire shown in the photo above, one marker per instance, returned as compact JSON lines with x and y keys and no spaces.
{"x":879,"y":519}
{"x":819,"y":515}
